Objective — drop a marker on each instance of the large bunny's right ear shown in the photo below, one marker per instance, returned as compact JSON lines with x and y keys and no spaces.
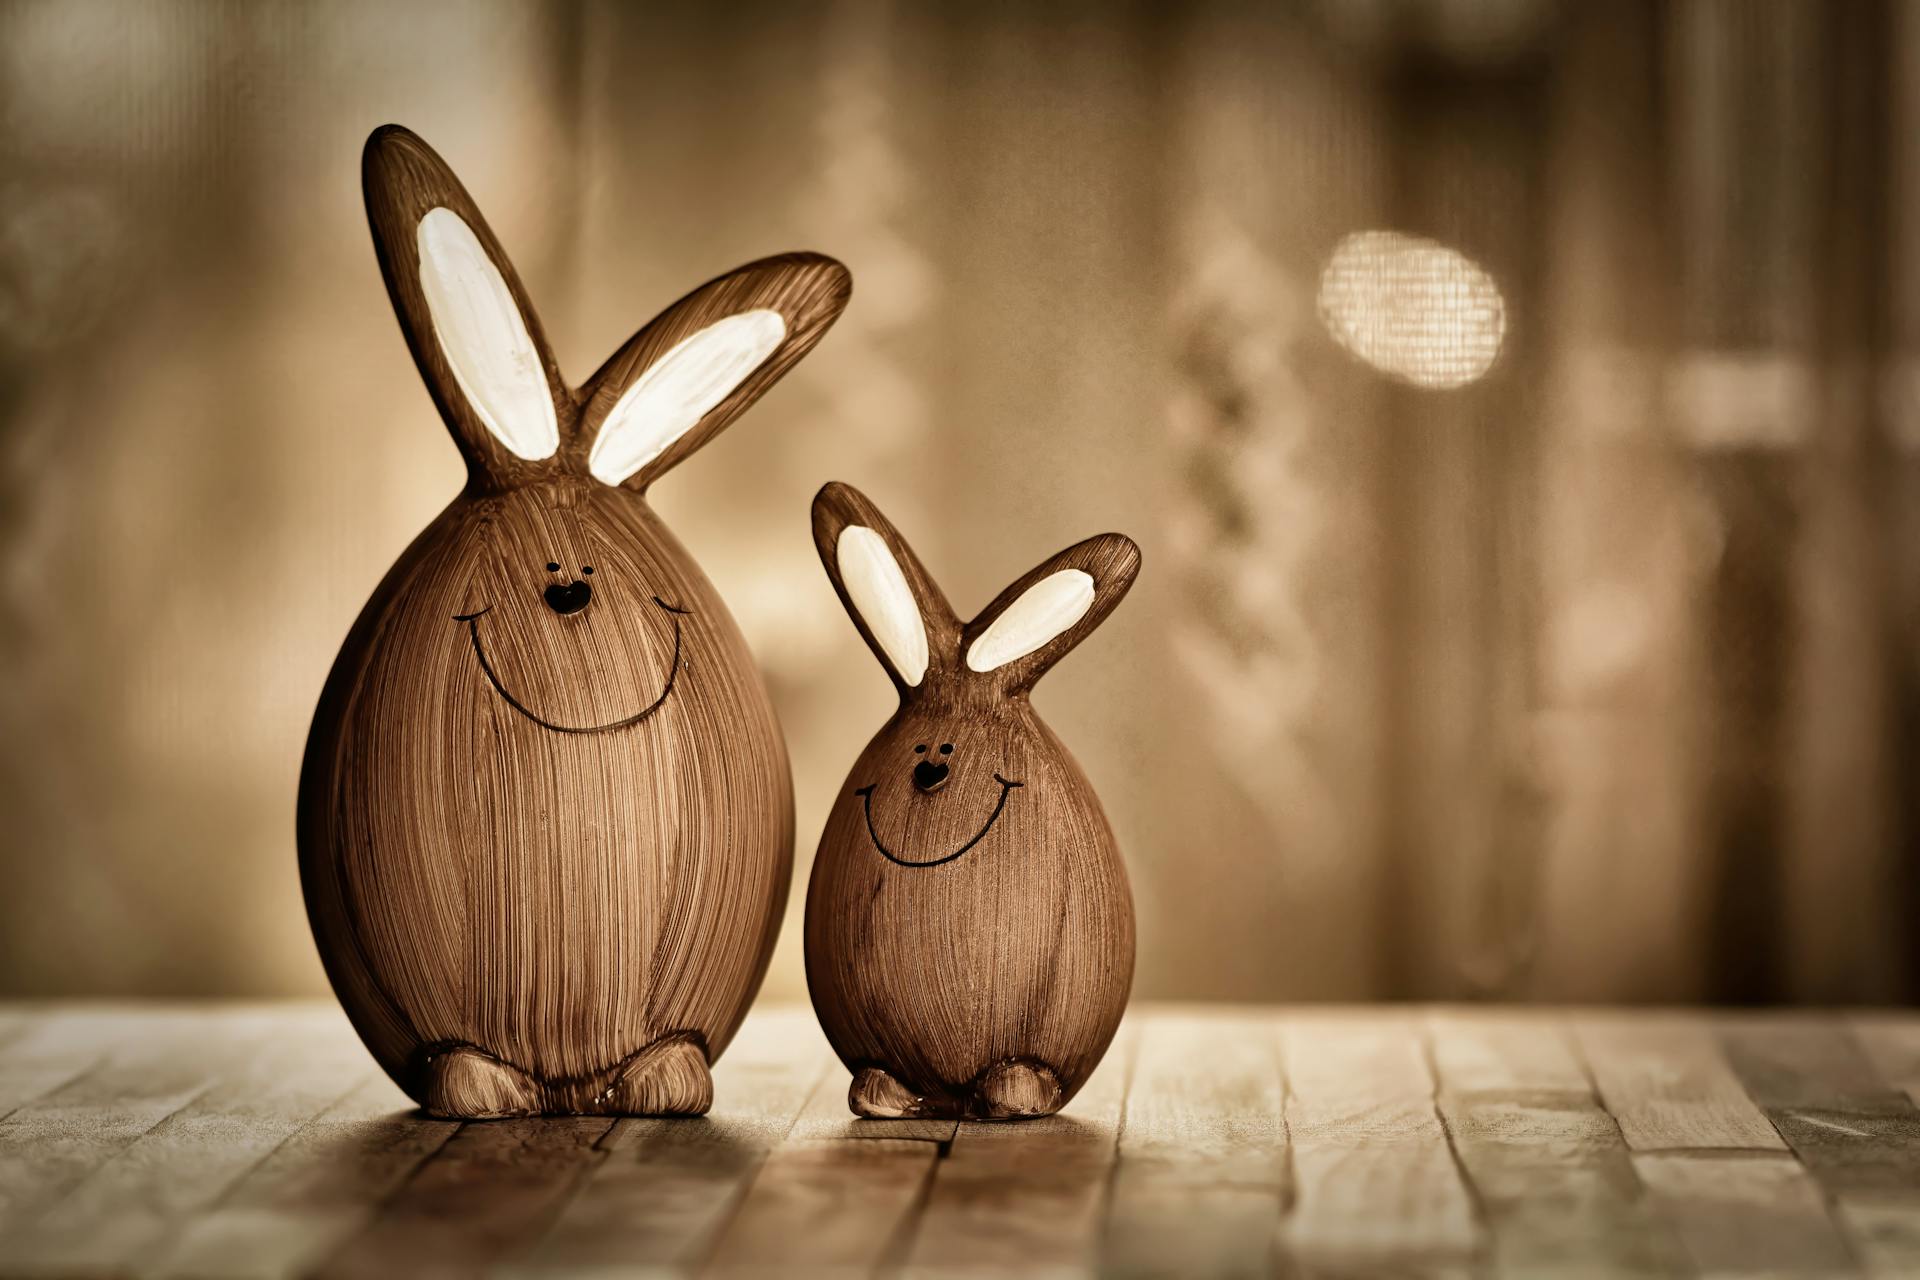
{"x":466,"y":316}
{"x":1053,"y":607}
{"x":895,"y":603}
{"x":698,"y":365}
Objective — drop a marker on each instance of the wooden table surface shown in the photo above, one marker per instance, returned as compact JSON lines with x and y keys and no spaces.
{"x":206,"y":1140}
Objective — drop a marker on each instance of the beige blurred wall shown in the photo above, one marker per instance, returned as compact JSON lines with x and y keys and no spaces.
{"x":1422,"y":692}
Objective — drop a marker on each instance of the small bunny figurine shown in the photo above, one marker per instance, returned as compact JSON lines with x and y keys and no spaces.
{"x":546,"y":821}
{"x":969,"y":930}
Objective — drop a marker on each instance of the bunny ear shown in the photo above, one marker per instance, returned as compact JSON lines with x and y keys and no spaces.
{"x":1033,"y":623}
{"x":887,"y":591}
{"x":703,"y":360}
{"x":466,"y":316}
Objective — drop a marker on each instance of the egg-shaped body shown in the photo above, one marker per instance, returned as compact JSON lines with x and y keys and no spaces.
{"x":968,"y":908}
{"x":545,"y":811}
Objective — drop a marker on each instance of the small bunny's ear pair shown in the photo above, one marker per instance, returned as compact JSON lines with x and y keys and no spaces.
{"x":914,"y":631}
{"x":474,"y":334}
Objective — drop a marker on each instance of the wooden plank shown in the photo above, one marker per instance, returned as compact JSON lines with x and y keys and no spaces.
{"x":1544,"y":1157}
{"x":274,"y":1070}
{"x":183,"y":1141}
{"x":1891,"y":1043}
{"x":1884,"y":1229}
{"x":1027,"y":1195}
{"x":1857,"y":1134}
{"x":1376,"y":1182}
{"x":838,"y":1195}
{"x":1853,"y":1130}
{"x":1477,"y":1050}
{"x":668,"y":1187}
{"x":483,"y":1198}
{"x":1745,"y":1214}
{"x":1805,"y":1060}
{"x":314,"y":1192}
{"x":1852,"y":1151}
{"x":156,"y":1062}
{"x":62,"y":1044}
{"x":1666,"y":1081}
{"x":1559,"y":1191}
{"x":827,"y":1207}
{"x":1202,"y":1177}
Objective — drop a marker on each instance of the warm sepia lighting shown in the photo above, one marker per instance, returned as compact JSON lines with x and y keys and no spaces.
{"x":1594,"y":678}
{"x":1412,"y":308}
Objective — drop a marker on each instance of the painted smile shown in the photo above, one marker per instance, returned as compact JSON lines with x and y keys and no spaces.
{"x":473,"y":633}
{"x":866,"y":796}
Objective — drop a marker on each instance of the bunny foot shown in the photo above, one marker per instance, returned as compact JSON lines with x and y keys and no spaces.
{"x":464,"y":1083}
{"x":667,"y":1078}
{"x":1017,"y":1089}
{"x":875,"y":1095}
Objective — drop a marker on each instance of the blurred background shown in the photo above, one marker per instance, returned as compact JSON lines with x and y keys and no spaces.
{"x":1516,"y":402}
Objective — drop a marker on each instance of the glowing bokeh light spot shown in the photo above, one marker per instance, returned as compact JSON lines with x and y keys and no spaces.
{"x":1412,"y":308}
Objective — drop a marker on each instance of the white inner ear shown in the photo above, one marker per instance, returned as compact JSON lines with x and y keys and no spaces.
{"x":1042,"y":612}
{"x":879,"y":591}
{"x":484,"y":336}
{"x":679,"y":389}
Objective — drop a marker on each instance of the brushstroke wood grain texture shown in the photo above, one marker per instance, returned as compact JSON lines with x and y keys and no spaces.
{"x":1202,"y":1161}
{"x":1668,"y":1084}
{"x":1030,"y":1197}
{"x":1854,"y":1131}
{"x":545,"y":817}
{"x":1376,"y":1184}
{"x":200,"y":1142}
{"x":969,"y":929}
{"x":668,"y":1188}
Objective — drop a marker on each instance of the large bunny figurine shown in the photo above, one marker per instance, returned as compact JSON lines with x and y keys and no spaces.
{"x":546,"y":822}
{"x":969,"y":929}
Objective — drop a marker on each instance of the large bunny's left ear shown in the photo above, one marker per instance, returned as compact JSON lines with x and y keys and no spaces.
{"x":702,"y":361}
{"x":466,"y":316}
{"x":1033,"y":623}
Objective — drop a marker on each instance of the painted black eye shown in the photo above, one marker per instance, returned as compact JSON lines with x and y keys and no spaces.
{"x":920,"y":750}
{"x":552,"y":567}
{"x":946,"y":748}
{"x":586,"y":568}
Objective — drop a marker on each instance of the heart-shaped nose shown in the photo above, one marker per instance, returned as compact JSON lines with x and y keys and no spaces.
{"x":929,"y":776}
{"x":571,"y":598}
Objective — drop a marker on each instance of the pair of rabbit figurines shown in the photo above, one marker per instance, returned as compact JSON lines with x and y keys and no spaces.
{"x":545,"y":817}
